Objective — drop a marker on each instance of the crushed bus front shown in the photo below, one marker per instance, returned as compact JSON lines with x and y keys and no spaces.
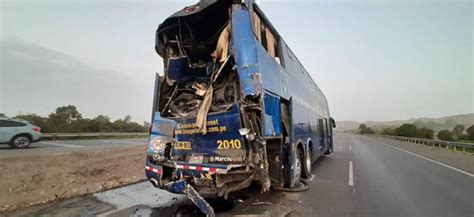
{"x":206,"y":129}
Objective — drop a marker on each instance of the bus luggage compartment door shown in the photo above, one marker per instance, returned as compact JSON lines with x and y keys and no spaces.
{"x":222,"y":143}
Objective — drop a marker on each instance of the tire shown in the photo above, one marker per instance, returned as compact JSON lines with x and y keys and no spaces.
{"x":330,"y":147}
{"x":307,"y":166}
{"x":298,"y":167}
{"x":20,"y":141}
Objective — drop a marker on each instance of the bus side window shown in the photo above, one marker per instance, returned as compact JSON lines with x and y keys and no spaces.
{"x":320,"y":127}
{"x":266,"y":37}
{"x":326,"y":128}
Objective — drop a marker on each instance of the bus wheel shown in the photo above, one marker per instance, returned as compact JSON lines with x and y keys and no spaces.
{"x":307,"y":164}
{"x":330,"y":148}
{"x":298,"y":167}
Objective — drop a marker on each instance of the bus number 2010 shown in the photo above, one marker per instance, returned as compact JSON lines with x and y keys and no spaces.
{"x":229,"y":144}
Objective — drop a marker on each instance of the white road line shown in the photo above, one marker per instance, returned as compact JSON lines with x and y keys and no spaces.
{"x":431,"y":160}
{"x":63,"y":145}
{"x":351,"y":174}
{"x":350,"y":147}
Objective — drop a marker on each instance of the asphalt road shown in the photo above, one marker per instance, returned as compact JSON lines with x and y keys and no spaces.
{"x":366,"y":176}
{"x":67,"y":146}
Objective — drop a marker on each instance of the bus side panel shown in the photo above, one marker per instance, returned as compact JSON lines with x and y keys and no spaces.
{"x":244,"y":52}
{"x":273,"y":123}
{"x":270,"y":70}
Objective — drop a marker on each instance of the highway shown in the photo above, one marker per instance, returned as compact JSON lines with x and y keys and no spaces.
{"x":66,"y":146}
{"x":366,"y":176}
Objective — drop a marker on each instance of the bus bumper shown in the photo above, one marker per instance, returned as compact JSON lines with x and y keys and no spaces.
{"x":179,"y":187}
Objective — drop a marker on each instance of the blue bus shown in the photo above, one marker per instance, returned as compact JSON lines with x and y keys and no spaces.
{"x":233,"y":106}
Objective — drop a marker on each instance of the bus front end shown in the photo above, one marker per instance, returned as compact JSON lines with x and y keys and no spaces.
{"x":207,"y":123}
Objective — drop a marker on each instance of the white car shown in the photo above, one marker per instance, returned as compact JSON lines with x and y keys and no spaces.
{"x":18,"y":133}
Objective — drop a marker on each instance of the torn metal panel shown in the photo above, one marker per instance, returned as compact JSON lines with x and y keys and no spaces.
{"x":201,"y":119}
{"x":222,"y":49}
{"x":244,"y":51}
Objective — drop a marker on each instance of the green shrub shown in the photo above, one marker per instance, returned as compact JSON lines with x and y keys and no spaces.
{"x":365,"y":130}
{"x":470,"y":132}
{"x":425,"y":133}
{"x":445,"y":135}
{"x":406,"y":130}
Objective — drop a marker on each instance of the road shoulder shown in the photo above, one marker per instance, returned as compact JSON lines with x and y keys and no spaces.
{"x":461,"y":161}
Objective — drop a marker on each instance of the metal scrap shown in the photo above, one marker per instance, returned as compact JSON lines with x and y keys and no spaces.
{"x":201,"y":120}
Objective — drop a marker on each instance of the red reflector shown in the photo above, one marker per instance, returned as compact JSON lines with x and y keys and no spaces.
{"x":37,"y":129}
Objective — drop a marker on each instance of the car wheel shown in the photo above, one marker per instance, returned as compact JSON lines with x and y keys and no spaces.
{"x":21,"y":141}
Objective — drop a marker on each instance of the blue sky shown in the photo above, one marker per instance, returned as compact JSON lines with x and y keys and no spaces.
{"x":375,"y":60}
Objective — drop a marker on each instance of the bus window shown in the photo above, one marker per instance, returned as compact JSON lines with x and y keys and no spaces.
{"x":266,"y":37}
{"x":320,"y":127}
{"x":326,"y":127}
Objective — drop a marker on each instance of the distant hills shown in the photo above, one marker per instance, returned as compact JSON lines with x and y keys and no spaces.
{"x":436,"y":124}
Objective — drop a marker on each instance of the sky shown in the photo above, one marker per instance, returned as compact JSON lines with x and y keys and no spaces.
{"x":374,"y":60}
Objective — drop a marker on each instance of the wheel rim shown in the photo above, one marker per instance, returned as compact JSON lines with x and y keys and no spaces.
{"x":21,"y":141}
{"x":308,"y":163}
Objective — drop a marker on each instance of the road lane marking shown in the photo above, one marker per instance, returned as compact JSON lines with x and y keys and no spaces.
{"x":431,"y":160}
{"x":350,"y":147}
{"x":63,"y":145}
{"x":351,"y":174}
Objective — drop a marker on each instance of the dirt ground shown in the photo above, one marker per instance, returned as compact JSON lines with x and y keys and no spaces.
{"x":27,"y":181}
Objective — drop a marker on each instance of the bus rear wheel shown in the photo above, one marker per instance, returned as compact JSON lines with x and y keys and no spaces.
{"x":298,"y":167}
{"x":330,"y":147}
{"x":307,"y":164}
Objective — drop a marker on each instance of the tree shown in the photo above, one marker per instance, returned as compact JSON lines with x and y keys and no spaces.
{"x":146,"y":125}
{"x":68,"y":113}
{"x":365,"y":130}
{"x":103,"y":123}
{"x":388,"y":131}
{"x":406,"y":130}
{"x":458,"y":130}
{"x":425,"y":133}
{"x":445,"y":135}
{"x":60,"y":120}
{"x":67,"y":119}
{"x":470,"y":132}
{"x":2,"y":115}
{"x":126,"y":125}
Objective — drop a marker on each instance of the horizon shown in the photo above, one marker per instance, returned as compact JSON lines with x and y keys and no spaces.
{"x":408,"y":119}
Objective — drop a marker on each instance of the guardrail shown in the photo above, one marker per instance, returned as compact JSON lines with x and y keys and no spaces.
{"x":436,"y":143}
{"x":54,"y":136}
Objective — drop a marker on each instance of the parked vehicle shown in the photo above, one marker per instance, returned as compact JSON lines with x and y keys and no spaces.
{"x":234,"y":106}
{"x":18,"y":133}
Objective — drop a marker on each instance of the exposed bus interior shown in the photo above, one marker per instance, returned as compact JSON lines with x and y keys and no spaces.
{"x":198,"y":67}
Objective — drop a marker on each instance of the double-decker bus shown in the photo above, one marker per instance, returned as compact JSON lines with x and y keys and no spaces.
{"x":233,"y":106}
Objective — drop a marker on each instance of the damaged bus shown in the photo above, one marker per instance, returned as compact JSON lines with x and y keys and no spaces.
{"x":233,"y":106}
